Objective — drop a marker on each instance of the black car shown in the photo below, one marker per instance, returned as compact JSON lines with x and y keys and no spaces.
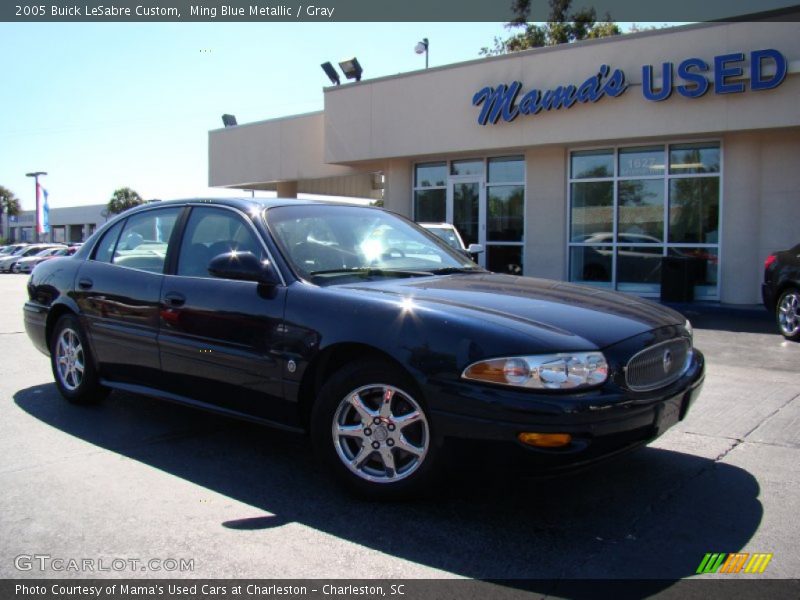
{"x":361,"y":328}
{"x":781,"y":290}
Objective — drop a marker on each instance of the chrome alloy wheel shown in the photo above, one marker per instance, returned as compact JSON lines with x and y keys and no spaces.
{"x":789,"y":314}
{"x":69,"y":359}
{"x":380,"y":433}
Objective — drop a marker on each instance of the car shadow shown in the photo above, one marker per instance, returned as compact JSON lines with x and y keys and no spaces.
{"x":733,"y":320}
{"x":651,"y":514}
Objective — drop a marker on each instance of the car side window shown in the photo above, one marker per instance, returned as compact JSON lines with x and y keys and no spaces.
{"x":143,"y":242}
{"x":105,"y":248}
{"x":211,"y":232}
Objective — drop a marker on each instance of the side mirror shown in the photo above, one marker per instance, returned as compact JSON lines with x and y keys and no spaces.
{"x":475,"y":249}
{"x":244,"y":266}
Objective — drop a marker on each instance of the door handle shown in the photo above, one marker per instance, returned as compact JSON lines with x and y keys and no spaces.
{"x":85,"y":283}
{"x":175,"y":299}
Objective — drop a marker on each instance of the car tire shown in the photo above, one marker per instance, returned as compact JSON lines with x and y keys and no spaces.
{"x":787,"y":314}
{"x":71,"y":360}
{"x":378,"y":449}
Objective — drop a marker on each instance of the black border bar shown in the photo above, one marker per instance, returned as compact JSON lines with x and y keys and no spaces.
{"x":640,"y":11}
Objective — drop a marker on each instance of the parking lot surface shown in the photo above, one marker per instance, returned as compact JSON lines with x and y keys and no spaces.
{"x":133,"y":478}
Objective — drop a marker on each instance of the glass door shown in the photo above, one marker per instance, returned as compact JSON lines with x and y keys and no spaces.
{"x":466,"y":210}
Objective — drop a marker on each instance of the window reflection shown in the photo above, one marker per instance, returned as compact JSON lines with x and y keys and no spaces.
{"x":588,"y":164}
{"x":465,"y":211}
{"x":466,"y":167}
{"x":591,"y":264}
{"x":506,"y":169}
{"x":685,"y":159}
{"x":431,"y":175}
{"x":694,"y":210}
{"x":430,"y":206}
{"x":641,"y":162}
{"x":591,"y":209}
{"x":641,"y":208}
{"x":639,"y":264}
{"x":645,"y":210}
{"x":505,"y":213}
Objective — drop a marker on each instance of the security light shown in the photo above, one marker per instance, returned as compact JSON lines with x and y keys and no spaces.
{"x":331,"y":73}
{"x":351,"y":68}
{"x":229,"y":121}
{"x":422,"y":48}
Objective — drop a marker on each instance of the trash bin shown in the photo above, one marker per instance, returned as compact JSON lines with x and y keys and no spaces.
{"x":678,"y":276}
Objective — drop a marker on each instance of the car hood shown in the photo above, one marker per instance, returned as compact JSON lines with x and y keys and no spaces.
{"x":536,"y":305}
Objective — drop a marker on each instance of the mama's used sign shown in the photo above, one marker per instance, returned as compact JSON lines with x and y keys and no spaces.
{"x":690,"y":79}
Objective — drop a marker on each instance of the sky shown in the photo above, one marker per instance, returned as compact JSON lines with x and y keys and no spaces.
{"x":105,"y":105}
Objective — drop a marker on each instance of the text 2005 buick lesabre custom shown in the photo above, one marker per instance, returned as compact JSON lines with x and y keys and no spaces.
{"x":363,"y":329}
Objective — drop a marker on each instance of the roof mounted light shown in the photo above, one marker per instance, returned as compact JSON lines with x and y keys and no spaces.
{"x":331,"y":73}
{"x":351,"y":68}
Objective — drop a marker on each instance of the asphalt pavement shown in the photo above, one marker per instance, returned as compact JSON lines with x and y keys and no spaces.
{"x":137,"y":479}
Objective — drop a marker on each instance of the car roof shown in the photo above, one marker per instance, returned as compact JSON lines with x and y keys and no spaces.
{"x":243,"y":204}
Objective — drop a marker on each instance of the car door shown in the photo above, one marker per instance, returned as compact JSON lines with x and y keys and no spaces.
{"x":220,"y":339}
{"x":118,"y":291}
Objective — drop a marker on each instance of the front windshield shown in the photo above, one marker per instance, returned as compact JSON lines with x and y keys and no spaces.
{"x":327,"y":242}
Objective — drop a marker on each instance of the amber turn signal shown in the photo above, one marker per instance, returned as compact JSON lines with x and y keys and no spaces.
{"x":545,"y":440}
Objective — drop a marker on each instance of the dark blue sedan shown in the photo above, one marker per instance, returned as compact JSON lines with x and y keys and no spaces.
{"x":359,"y":327}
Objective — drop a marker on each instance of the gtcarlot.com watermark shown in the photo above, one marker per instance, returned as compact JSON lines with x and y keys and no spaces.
{"x":61,"y":564}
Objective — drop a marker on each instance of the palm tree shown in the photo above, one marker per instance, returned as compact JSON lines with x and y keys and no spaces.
{"x":9,"y":204}
{"x":123,"y":199}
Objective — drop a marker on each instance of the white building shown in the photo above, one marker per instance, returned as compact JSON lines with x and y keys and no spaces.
{"x":681,"y":142}
{"x":67,"y":224}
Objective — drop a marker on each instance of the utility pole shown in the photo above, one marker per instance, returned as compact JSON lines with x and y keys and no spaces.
{"x":35,"y":176}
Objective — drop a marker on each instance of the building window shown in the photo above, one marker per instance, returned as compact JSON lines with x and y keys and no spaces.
{"x":430,"y":192}
{"x":505,"y":214}
{"x":483,"y":198}
{"x":631,"y":206}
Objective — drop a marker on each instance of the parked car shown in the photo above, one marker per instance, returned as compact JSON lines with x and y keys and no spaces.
{"x":781,"y":290}
{"x":638,"y":258}
{"x":26,"y":265}
{"x":295,"y":314}
{"x":450,"y":235}
{"x":644,"y":267}
{"x":10,"y":249}
{"x":7,"y":263}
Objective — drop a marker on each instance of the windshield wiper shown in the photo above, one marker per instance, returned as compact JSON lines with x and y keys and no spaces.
{"x":451,"y":270}
{"x":370,"y":271}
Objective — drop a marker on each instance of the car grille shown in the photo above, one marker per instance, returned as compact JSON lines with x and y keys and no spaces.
{"x":659,"y":365}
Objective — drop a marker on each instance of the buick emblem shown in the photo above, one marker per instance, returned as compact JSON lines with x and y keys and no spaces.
{"x":667,"y":360}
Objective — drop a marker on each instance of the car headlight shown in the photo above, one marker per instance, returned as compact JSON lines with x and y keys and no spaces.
{"x":543,"y":372}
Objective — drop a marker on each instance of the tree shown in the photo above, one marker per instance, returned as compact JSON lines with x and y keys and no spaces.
{"x":123,"y":199}
{"x":561,"y":27}
{"x":9,"y":205}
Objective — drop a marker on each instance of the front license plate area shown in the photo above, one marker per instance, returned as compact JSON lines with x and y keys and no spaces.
{"x":668,"y":414}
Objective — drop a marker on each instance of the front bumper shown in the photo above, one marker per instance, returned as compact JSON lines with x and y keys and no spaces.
{"x":602,"y":423}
